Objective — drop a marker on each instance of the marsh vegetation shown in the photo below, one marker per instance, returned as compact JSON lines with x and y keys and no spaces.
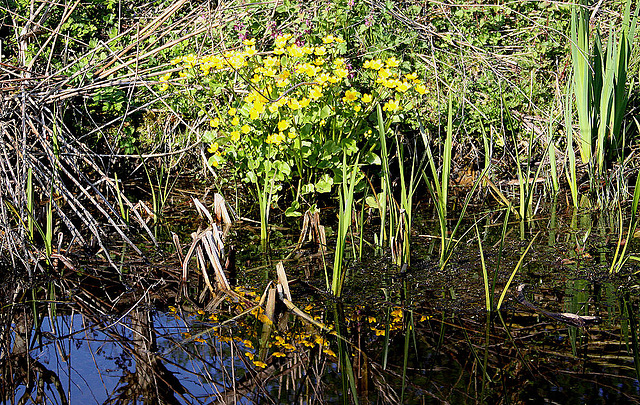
{"x":318,"y":202}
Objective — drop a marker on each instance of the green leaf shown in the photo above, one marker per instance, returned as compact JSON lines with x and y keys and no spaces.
{"x":324,"y":184}
{"x":371,"y":201}
{"x":349,"y":146}
{"x":208,"y":137}
{"x":326,"y":111}
{"x":371,"y":158}
{"x":293,"y":210}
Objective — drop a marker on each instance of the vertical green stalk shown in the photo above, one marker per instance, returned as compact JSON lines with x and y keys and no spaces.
{"x":30,"y":203}
{"x":620,"y":257}
{"x":407,"y":190}
{"x":48,"y":240}
{"x":385,"y":180}
{"x":345,"y":191}
{"x":439,"y":190}
{"x":485,"y":274}
{"x":515,"y":270}
{"x":582,"y":79}
{"x":123,"y":213}
{"x":570,"y":169}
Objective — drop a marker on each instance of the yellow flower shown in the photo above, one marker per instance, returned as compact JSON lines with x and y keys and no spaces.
{"x":320,"y":51}
{"x":397,"y":313}
{"x":339,"y":62}
{"x":320,"y":341}
{"x":186,"y":335}
{"x":357,"y":107}
{"x":384,"y":73}
{"x":350,"y":96}
{"x":249,"y":42}
{"x":333,"y":79}
{"x":249,"y":355}
{"x":319,"y":61}
{"x":316,"y":93}
{"x":421,"y":88}
{"x":232,"y":111}
{"x":260,"y":364}
{"x":235,"y":136}
{"x":214,"y":147}
{"x":366,"y":98}
{"x":164,"y":87}
{"x":245,"y":129}
{"x":235,"y":121}
{"x":295,"y":51}
{"x":329,"y":352}
{"x":172,"y":309}
{"x":281,"y":40}
{"x":270,"y":61}
{"x":258,"y":106}
{"x":402,"y":87}
{"x":189,"y":60}
{"x":250,"y":51}
{"x":323,"y":78}
{"x":294,"y":104}
{"x":375,"y":64}
{"x":304,"y":102}
{"x":279,"y":354}
{"x":292,"y":134}
{"x":393,"y":62}
{"x":411,"y":76}
{"x":379,"y":332}
{"x":372,"y":319}
{"x":282,"y":125}
{"x":341,"y":73}
{"x":247,"y":343}
{"x":282,"y":82}
{"x":328,"y":39}
{"x":391,"y":105}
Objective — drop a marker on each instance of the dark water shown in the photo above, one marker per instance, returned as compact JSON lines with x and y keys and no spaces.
{"x":420,"y":336}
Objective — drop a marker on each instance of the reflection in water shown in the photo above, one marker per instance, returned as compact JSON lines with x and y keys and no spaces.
{"x":77,"y":351}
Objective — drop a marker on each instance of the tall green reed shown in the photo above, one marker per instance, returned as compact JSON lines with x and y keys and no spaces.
{"x":385,"y":180}
{"x":438,"y":186}
{"x":515,"y":270}
{"x":600,"y":85}
{"x":408,"y":187}
{"x":620,"y":256}
{"x":351,"y":175}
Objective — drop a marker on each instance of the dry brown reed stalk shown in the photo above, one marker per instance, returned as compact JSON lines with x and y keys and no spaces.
{"x":72,"y":184}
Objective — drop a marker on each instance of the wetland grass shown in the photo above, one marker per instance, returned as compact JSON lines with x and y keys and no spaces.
{"x":351,"y":175}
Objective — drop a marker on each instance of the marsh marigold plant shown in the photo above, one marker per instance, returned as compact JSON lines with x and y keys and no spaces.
{"x":288,"y":115}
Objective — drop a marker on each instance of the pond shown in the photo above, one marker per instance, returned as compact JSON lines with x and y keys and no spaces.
{"x":419,"y":334}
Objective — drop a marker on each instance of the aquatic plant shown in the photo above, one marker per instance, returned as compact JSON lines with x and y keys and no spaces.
{"x":293,"y":112}
{"x":600,"y":85}
{"x":350,"y":177}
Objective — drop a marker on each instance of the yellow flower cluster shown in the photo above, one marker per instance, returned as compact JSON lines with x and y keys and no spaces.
{"x":284,"y":83}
